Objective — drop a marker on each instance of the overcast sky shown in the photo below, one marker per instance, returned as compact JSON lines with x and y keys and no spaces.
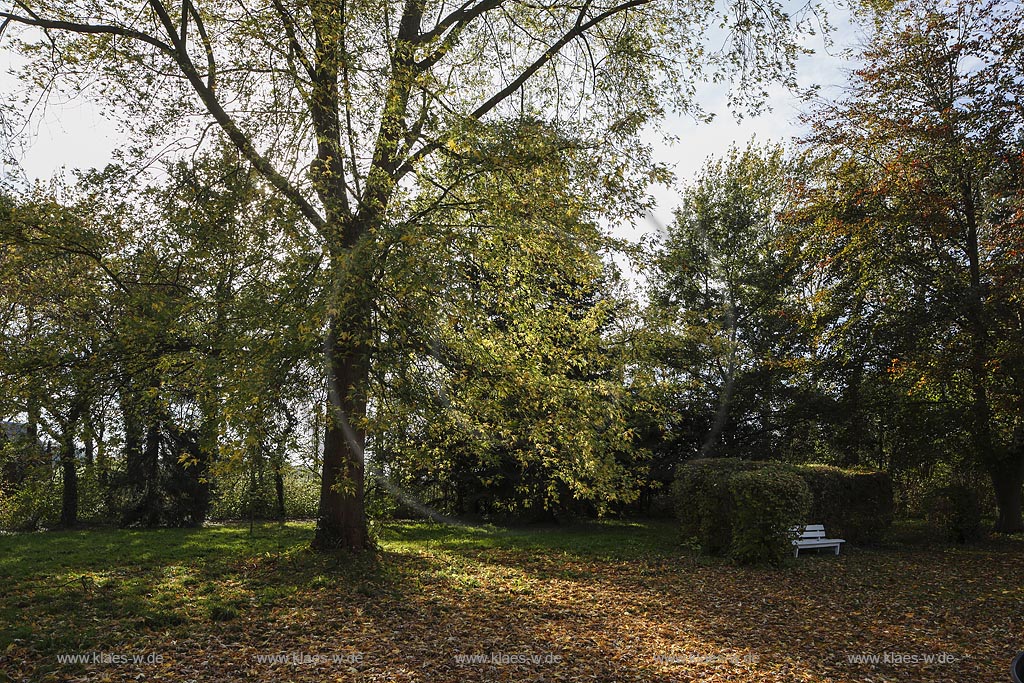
{"x":75,"y":134}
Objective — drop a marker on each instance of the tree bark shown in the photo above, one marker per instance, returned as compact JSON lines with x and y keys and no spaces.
{"x":69,"y":469}
{"x":1008,"y":481}
{"x":341,"y":521}
{"x":279,"y":489}
{"x":69,"y":472}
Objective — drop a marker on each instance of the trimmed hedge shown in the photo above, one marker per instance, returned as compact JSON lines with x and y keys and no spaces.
{"x":768,"y":502}
{"x":704,"y":503}
{"x":853,"y":505}
{"x":748,"y":516}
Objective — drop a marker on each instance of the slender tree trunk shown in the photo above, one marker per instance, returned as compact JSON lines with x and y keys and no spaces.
{"x":341,"y":522}
{"x":69,"y":469}
{"x":69,"y":472}
{"x":1008,"y":481}
{"x":279,"y":489}
{"x":150,"y":505}
{"x":1005,"y":465}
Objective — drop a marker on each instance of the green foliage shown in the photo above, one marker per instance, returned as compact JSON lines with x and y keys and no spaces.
{"x":35,"y":501}
{"x":33,"y":505}
{"x":768,"y":502}
{"x":238,"y":497}
{"x":704,"y":502}
{"x":506,"y":394}
{"x":722,"y":325}
{"x":956,"y":511}
{"x":854,"y":505}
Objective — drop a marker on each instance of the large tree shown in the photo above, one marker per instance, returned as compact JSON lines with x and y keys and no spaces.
{"x":342,"y":106}
{"x":505,"y":392}
{"x":723,"y":310}
{"x":919,"y":207}
{"x":48,"y":299}
{"x":180,"y":304}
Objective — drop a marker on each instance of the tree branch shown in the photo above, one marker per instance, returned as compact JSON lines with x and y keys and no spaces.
{"x":578,"y":30}
{"x":75,"y":27}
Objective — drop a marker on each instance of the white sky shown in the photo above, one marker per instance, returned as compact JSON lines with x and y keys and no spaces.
{"x":75,"y":134}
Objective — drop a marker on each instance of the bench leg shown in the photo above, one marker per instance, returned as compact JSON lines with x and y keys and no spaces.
{"x":837,"y":551}
{"x":796,"y":551}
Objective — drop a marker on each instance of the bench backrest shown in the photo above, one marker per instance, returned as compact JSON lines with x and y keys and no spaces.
{"x":811,"y":531}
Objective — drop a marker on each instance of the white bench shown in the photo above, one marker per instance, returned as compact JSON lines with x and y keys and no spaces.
{"x":813,"y":536}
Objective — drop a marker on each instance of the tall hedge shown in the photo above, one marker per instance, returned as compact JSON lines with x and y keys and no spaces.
{"x":853,"y":505}
{"x":704,"y":502}
{"x":744,"y":508}
{"x":769,"y":501}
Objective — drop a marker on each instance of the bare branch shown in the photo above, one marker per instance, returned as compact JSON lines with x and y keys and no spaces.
{"x":76,"y":27}
{"x":293,"y":39}
{"x":211,"y":66}
{"x":579,"y":29}
{"x":459,"y":18}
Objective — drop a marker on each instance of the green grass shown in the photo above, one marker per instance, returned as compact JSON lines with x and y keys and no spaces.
{"x":585,"y":591}
{"x":73,"y":589}
{"x":64,"y":590}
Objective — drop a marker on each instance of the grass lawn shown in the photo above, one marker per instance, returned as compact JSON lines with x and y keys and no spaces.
{"x":602,"y":602}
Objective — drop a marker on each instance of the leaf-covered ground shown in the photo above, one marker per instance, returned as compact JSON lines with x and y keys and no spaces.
{"x":603,"y":602}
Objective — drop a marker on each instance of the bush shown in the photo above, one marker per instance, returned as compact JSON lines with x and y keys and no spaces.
{"x":235,"y":500}
{"x":768,"y":502}
{"x":35,"y":504}
{"x":956,"y":510}
{"x":856,"y":506}
{"x":828,"y":495}
{"x":704,"y":502}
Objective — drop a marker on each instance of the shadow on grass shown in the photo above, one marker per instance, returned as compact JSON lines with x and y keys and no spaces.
{"x":611,"y":601}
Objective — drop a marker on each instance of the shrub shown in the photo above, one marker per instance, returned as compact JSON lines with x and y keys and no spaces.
{"x":703,"y":500}
{"x":235,"y":500}
{"x":956,"y":510}
{"x":857,"y":506}
{"x":768,"y":502}
{"x":828,"y":495}
{"x":33,"y":505}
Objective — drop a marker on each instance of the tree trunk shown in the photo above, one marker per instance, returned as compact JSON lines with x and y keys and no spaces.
{"x":1008,"y":498}
{"x":1008,"y":481}
{"x":146,"y":510}
{"x":69,"y":469}
{"x":341,"y":522}
{"x":1005,"y":466}
{"x":279,"y":490}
